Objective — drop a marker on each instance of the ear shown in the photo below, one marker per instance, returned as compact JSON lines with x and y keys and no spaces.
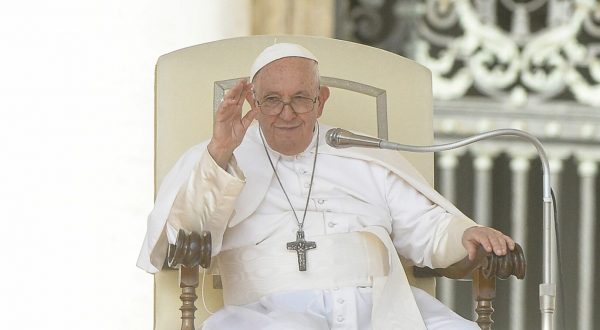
{"x":323,"y":96}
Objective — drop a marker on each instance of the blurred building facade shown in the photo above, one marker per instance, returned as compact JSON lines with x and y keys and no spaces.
{"x":526,"y":64}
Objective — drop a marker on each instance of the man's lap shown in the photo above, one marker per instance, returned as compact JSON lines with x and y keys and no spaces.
{"x":318,"y":309}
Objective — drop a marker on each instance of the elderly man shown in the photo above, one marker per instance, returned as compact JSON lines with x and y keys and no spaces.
{"x":306,"y":236}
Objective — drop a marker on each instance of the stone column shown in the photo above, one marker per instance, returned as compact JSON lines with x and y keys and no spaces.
{"x":447,"y":162}
{"x":482,"y":191}
{"x":587,"y":171}
{"x":519,"y":167}
{"x":307,"y":17}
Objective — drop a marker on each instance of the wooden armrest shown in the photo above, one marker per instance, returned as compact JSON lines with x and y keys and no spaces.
{"x":491,"y":265}
{"x":190,"y":250}
{"x":188,"y":254}
{"x":484,"y":270}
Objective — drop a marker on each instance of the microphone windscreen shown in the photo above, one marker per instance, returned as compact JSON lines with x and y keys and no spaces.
{"x":332,"y":136}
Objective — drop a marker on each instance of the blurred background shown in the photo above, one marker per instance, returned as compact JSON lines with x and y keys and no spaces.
{"x":76,"y":136}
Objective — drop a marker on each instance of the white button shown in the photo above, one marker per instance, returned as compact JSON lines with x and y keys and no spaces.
{"x":321,"y":201}
{"x":340,"y":318}
{"x":306,"y":185}
{"x":331,"y":224}
{"x":340,"y":301}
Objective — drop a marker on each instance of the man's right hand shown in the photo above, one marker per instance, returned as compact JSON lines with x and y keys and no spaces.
{"x":230,"y":126}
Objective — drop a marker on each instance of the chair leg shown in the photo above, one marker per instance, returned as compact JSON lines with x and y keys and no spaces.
{"x":189,"y":279}
{"x":484,"y":292}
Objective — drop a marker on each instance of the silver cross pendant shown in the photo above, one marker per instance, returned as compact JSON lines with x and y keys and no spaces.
{"x":301,"y":246}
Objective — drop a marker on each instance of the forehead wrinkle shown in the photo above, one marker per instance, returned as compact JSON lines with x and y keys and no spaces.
{"x":278,"y":70}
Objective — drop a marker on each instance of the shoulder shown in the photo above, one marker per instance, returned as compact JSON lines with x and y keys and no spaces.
{"x":389,"y":159}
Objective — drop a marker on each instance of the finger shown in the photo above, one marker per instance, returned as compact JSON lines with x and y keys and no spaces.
{"x":248,"y":118}
{"x":503,"y":242}
{"x":229,"y":95}
{"x":250,"y":97}
{"x":231,"y":104}
{"x":229,"y":109}
{"x":511,"y":242}
{"x":498,"y":245}
{"x":235,"y":92}
{"x":471,"y":250}
{"x":243,"y":92}
{"x":485,"y":242}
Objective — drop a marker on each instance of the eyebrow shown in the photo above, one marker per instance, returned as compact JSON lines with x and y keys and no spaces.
{"x":299,"y":93}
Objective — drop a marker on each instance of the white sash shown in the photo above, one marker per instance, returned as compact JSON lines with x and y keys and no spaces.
{"x":366,"y":258}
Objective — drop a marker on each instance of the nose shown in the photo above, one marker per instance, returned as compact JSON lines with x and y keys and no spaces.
{"x":287,"y":113}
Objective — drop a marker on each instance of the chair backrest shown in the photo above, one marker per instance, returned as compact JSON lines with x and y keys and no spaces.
{"x":372,"y":91}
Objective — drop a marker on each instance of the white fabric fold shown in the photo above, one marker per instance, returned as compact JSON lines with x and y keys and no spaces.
{"x":394,"y":306}
{"x":364,"y":258}
{"x":340,"y":260}
{"x":251,"y":158}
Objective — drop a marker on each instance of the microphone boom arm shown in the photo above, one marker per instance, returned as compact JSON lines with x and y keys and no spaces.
{"x":383,"y":144}
{"x":340,"y":138}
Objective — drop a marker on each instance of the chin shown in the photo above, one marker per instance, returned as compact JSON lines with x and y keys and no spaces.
{"x":290,"y":141}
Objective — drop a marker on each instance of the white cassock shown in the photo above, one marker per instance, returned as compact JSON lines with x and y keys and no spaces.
{"x":365,"y":206}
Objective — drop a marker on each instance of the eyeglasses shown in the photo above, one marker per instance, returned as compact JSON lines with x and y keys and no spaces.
{"x":272,"y":106}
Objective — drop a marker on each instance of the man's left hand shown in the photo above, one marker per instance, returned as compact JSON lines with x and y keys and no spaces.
{"x":490,"y":239}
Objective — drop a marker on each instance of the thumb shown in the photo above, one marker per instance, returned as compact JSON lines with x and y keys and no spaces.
{"x":471,"y":250}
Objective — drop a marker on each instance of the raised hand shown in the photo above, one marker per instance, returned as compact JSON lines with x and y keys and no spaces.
{"x":490,"y":239}
{"x":230,"y":126}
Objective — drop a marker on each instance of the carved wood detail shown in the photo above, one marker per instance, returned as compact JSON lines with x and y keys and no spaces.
{"x":484,"y":270}
{"x":188,"y":282}
{"x":189,"y":253}
{"x":484,"y":292}
{"x":190,"y":250}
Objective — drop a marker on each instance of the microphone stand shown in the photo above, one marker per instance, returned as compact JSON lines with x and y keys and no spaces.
{"x":340,"y":138}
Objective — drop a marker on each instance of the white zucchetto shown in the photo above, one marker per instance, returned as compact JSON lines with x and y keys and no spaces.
{"x":278,"y":51}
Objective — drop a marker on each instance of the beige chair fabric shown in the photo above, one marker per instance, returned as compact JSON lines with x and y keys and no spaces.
{"x":373,"y":91}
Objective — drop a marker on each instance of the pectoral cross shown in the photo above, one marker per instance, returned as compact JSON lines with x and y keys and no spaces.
{"x":301,"y":246}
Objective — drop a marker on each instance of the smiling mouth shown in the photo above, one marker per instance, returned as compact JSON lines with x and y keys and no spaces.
{"x":287,"y":127}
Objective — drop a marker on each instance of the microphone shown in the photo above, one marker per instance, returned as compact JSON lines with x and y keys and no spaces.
{"x":341,"y":138}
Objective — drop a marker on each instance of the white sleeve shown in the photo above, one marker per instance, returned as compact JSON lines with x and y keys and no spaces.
{"x":196,"y":194}
{"x":206,"y":201}
{"x":422,"y":231}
